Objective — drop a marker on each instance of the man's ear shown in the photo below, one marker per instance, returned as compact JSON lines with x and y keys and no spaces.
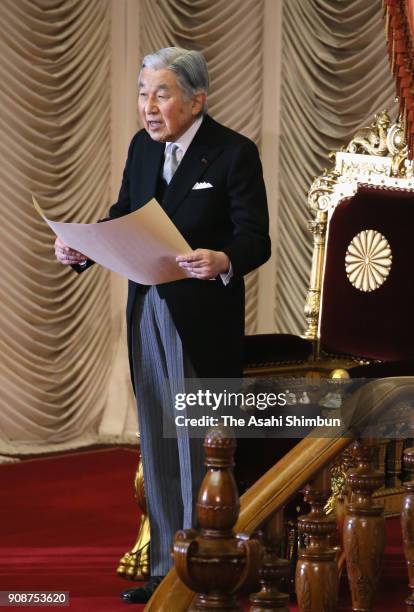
{"x":198,"y":103}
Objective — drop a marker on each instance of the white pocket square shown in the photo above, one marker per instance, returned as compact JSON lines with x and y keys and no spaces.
{"x":202,"y":186}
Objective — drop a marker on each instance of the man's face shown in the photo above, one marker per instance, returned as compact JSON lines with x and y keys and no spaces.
{"x":165,"y":113}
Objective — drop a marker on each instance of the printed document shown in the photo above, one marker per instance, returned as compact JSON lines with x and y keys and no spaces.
{"x":142,"y":245}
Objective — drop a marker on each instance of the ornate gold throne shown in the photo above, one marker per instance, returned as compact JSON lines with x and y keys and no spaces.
{"x":360,"y":299}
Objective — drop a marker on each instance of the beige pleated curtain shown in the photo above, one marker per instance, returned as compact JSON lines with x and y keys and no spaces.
{"x":335,"y":77}
{"x":55,"y":120}
{"x":65,"y":68}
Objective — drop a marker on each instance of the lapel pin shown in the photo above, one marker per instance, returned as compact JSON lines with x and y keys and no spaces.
{"x":204,"y":160}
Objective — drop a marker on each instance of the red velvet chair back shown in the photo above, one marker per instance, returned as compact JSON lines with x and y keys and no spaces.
{"x":375,"y":324}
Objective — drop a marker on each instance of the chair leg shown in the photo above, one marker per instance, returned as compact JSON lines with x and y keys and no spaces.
{"x":135,"y":564}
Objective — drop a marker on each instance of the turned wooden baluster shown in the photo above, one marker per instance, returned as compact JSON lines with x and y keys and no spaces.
{"x":214,"y":562}
{"x":273,"y":569}
{"x":134,"y":565}
{"x":407,"y":524}
{"x":395,"y":459}
{"x":364,"y":528}
{"x":316,"y":570}
{"x":381,"y":461}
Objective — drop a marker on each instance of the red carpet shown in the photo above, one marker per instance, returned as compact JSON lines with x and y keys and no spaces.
{"x":66,"y":521}
{"x":64,"y":524}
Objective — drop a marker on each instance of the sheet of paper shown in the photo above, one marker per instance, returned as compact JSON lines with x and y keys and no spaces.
{"x":141,"y":246}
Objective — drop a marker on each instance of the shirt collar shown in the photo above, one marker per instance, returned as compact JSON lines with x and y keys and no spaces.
{"x":185,"y":140}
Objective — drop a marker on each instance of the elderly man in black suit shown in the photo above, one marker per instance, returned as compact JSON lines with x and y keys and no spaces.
{"x":209,"y":180}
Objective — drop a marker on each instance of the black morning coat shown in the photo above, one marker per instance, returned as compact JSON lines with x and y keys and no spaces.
{"x":230,"y":216}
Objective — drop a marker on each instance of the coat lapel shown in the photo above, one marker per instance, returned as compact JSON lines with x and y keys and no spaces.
{"x":151,"y":167}
{"x":194,"y":164}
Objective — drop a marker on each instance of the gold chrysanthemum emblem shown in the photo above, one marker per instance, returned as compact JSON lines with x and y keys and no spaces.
{"x":368,"y":260}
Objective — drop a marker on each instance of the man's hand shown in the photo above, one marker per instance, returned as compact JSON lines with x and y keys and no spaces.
{"x":66,"y":255}
{"x":204,"y":263}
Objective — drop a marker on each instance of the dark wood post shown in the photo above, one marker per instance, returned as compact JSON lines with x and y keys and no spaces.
{"x":364,"y":528}
{"x":407,"y":524}
{"x":273,"y":569}
{"x":394,"y":464}
{"x":214,"y":562}
{"x":316,"y":570}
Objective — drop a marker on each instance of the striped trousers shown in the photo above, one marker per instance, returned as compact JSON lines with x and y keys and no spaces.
{"x":173,"y":467}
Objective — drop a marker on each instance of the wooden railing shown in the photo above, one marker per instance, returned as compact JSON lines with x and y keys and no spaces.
{"x":307,"y":467}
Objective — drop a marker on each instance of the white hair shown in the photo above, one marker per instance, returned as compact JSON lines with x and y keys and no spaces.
{"x":189,"y":66}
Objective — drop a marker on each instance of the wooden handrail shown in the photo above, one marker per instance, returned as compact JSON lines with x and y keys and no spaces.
{"x":300,"y":465}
